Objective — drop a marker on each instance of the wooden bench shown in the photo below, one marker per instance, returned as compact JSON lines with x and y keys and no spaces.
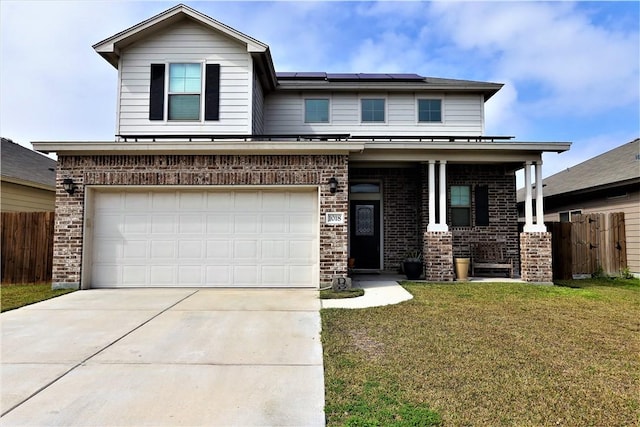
{"x":490,"y":256}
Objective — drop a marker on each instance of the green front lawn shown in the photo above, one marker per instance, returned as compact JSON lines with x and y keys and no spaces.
{"x":488,"y":354}
{"x":15,"y":296}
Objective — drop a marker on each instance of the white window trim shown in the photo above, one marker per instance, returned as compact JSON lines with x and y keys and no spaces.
{"x":386,"y":109}
{"x":167,"y":79}
{"x":417,"y":110}
{"x":305,"y":97}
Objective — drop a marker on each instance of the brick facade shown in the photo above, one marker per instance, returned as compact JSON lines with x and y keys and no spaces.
{"x":503,"y":212}
{"x":400,"y":191}
{"x":210,"y":170}
{"x":406,"y":209}
{"x":535,"y":250}
{"x":438,"y":256}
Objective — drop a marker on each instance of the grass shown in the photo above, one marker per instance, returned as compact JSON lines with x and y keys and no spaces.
{"x":15,"y":296}
{"x":350,"y":293}
{"x":488,"y":354}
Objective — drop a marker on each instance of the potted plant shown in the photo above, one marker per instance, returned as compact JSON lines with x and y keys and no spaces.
{"x":412,"y":265}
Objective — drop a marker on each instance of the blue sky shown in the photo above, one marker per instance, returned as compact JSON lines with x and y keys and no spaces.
{"x":571,"y":69}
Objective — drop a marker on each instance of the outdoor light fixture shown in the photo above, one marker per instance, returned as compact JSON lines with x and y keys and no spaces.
{"x":68,"y":185}
{"x":333,"y":185}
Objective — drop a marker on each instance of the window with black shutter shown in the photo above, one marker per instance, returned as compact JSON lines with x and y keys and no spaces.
{"x":482,"y":205}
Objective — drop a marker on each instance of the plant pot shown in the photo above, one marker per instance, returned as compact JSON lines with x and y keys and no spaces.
{"x":412,"y":269}
{"x":462,"y":269}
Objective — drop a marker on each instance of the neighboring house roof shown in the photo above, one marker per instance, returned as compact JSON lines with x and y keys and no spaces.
{"x":110,"y":48}
{"x":618,"y":166}
{"x":20,"y":165}
{"x":353,"y":81}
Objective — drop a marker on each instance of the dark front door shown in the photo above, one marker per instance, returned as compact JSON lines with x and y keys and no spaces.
{"x":364,"y":232}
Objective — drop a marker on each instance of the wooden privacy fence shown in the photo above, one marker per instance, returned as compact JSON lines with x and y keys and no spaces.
{"x":588,"y":244}
{"x":27,"y":246}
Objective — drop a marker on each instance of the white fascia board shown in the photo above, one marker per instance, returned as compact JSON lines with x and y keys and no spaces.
{"x":557,"y":147}
{"x":108,"y":47}
{"x":196,"y":148}
{"x":464,"y":152}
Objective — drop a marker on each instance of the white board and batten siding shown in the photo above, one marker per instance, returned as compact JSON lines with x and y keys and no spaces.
{"x":185,"y":42}
{"x":463,"y":115}
{"x":190,"y":237}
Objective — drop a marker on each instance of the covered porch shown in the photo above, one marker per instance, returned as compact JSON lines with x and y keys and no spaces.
{"x":441,"y":202}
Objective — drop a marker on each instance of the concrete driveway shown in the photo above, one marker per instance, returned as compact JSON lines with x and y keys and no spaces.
{"x":164,"y":357}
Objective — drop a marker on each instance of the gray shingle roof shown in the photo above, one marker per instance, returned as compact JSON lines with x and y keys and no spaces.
{"x":21,"y":163}
{"x":617,"y":165}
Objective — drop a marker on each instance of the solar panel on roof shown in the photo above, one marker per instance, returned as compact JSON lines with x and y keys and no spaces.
{"x":285,"y":74}
{"x":369,"y":76}
{"x":400,"y":76}
{"x":342,"y":76}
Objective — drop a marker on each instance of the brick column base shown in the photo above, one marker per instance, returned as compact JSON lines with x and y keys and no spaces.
{"x":438,"y":256}
{"x":535,"y":257}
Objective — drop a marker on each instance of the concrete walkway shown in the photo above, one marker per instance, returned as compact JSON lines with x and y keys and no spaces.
{"x":164,"y":357}
{"x":379,"y":290}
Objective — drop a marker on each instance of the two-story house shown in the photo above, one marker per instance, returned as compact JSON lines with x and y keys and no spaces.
{"x":226,"y":173}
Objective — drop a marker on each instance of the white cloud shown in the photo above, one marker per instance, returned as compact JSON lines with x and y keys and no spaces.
{"x":577,"y":65}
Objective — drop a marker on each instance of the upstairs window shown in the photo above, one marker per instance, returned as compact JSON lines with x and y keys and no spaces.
{"x":185,"y":85}
{"x":372,"y":110}
{"x":460,"y":205}
{"x":430,"y":110}
{"x":316,"y":111}
{"x":183,"y":94}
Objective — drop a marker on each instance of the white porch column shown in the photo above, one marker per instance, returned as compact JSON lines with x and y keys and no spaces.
{"x":528,"y":214}
{"x":442,"y":223}
{"x":432,"y":195}
{"x":539,"y":208}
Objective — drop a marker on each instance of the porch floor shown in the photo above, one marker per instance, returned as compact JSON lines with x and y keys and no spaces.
{"x":387,"y":276}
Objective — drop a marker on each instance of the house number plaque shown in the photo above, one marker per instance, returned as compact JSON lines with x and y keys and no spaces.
{"x":334,"y":218}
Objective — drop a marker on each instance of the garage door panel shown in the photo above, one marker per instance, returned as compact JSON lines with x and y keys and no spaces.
{"x":245,"y":250}
{"x":190,"y":275}
{"x":299,"y":223}
{"x":161,"y":249}
{"x":246,"y":200}
{"x":218,"y":274}
{"x":190,"y":250}
{"x":190,"y":224}
{"x":274,"y":250}
{"x":204,"y":238}
{"x":134,"y":275}
{"x":220,"y":249}
{"x":136,"y":202}
{"x":135,"y":249}
{"x":219,"y":223}
{"x":246,"y":224}
{"x":274,"y":224}
{"x":164,"y":201}
{"x":108,"y":224}
{"x":245,"y":275}
{"x":219,"y":201}
{"x":274,"y":275}
{"x":135,"y":224}
{"x":274,"y":202}
{"x":300,"y":274}
{"x":162,"y":275}
{"x":163,"y":224}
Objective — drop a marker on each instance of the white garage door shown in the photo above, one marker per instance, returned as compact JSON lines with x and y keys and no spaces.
{"x":204,"y":238}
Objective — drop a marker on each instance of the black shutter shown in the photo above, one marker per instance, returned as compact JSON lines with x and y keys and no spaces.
{"x":482,"y":205}
{"x":212,"y":92}
{"x":156,"y":92}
